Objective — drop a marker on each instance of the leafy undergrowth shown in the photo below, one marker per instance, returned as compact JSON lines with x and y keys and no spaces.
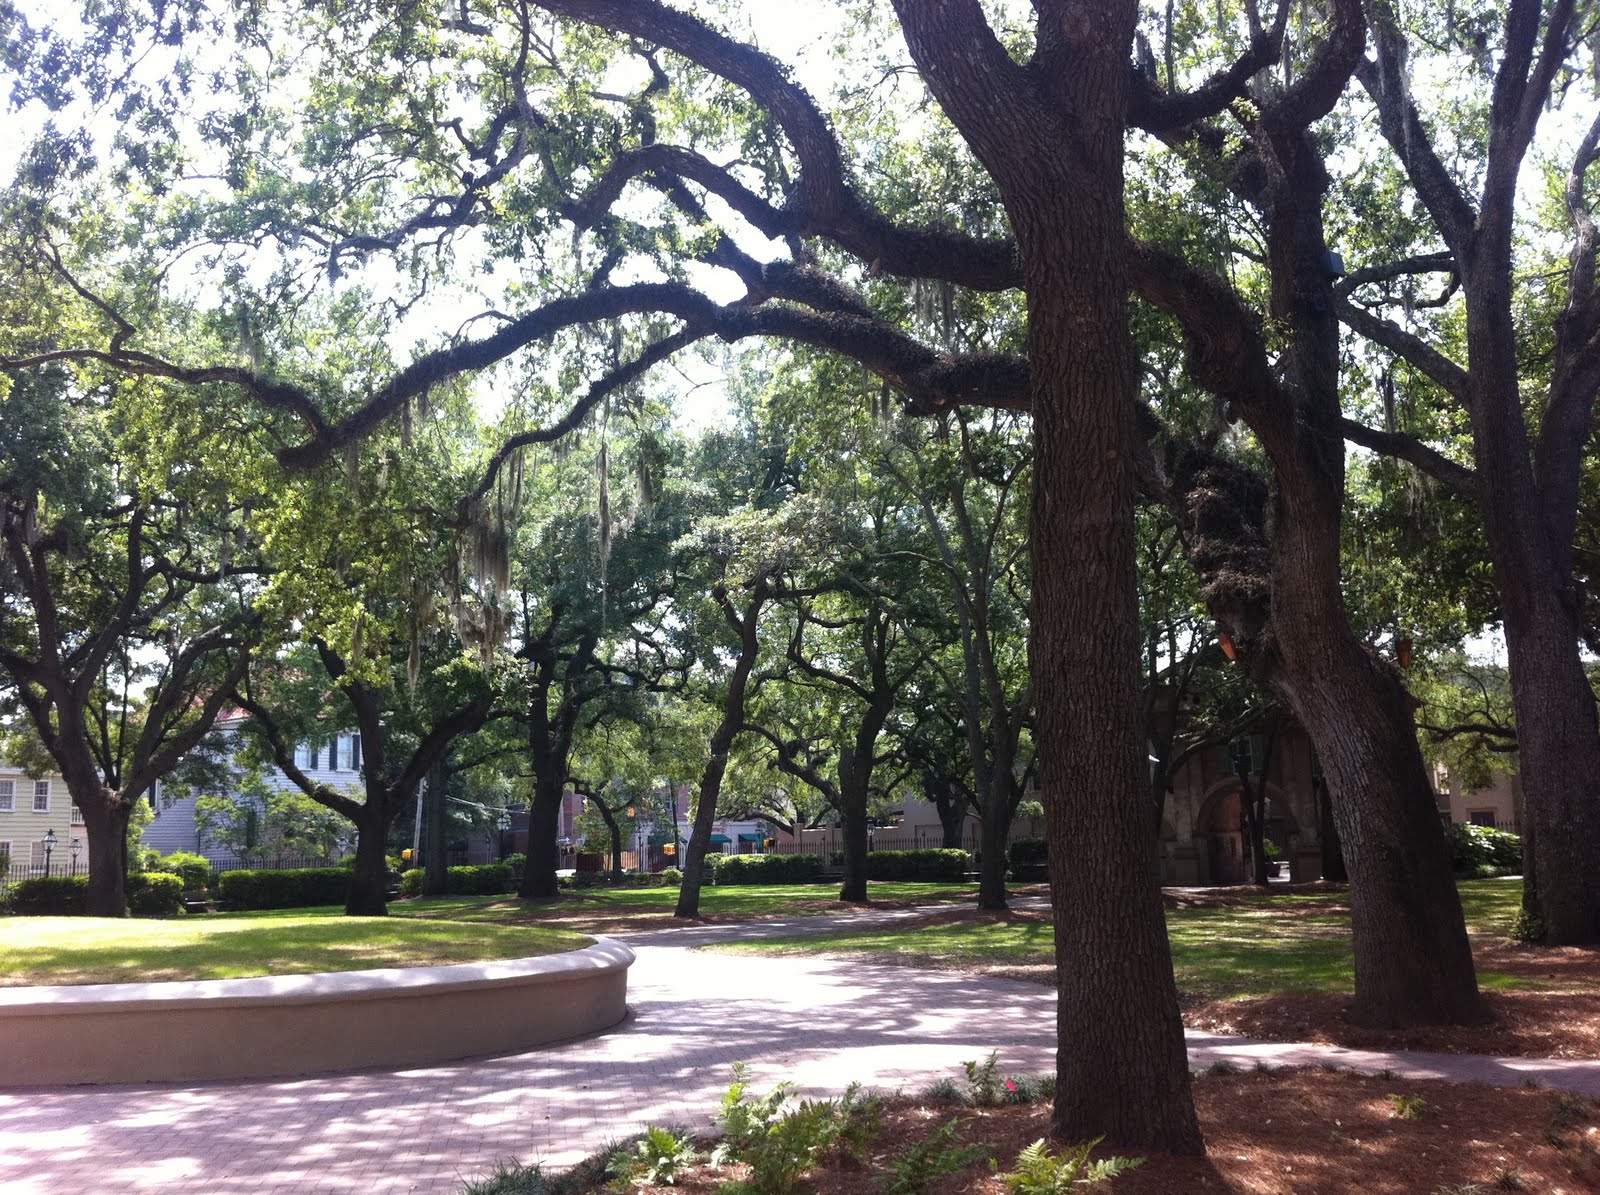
{"x":1284,"y":1132}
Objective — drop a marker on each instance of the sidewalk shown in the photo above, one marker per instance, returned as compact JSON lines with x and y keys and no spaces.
{"x":818,"y":1023}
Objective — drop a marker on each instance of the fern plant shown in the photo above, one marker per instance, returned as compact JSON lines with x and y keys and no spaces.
{"x":933,"y":1157}
{"x":983,"y":1085}
{"x":1040,"y":1172}
{"x":661,"y":1158}
{"x":1408,"y":1107}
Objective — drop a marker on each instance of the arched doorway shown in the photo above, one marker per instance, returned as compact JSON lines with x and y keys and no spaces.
{"x":1224,"y":832}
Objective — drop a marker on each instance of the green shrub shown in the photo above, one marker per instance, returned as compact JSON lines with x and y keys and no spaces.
{"x":928,"y":866}
{"x":914,"y":1171}
{"x":143,"y":858}
{"x":517,"y":862}
{"x":485,"y":879}
{"x":156,"y":893}
{"x":1029,"y":851}
{"x":50,"y":896}
{"x":482,"y":879}
{"x":150,"y":894}
{"x":194,"y":870}
{"x":286,"y":888}
{"x":765,"y":869}
{"x":671,"y":877}
{"x":1483,"y":852}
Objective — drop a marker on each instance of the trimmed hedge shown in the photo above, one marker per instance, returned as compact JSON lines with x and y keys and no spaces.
{"x":156,"y":894}
{"x":1482,"y":851}
{"x":765,"y":869}
{"x":150,"y":894}
{"x":1029,"y":850}
{"x":194,"y":870}
{"x":931,"y":865}
{"x":286,"y":888}
{"x":484,"y":879}
{"x":49,"y":896}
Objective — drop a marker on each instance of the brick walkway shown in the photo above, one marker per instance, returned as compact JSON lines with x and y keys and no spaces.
{"x":816,"y":1022}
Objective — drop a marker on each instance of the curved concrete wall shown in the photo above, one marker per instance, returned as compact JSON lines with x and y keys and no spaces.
{"x":305,"y":1024}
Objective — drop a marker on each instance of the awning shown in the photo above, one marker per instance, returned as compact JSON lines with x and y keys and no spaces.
{"x":720,"y":840}
{"x":748,"y":838}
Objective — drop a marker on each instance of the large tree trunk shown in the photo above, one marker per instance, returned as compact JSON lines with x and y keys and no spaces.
{"x":1122,"y":1069}
{"x":705,"y":818}
{"x":1558,"y":738}
{"x":105,"y":829}
{"x":544,"y":824}
{"x":993,"y":830}
{"x":854,"y":776}
{"x":1412,"y":958}
{"x":721,"y":743}
{"x":369,"y":878}
{"x":435,"y":857}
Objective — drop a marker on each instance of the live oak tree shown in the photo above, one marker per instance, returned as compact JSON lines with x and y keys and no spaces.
{"x":1269,"y":556}
{"x":1528,"y":384}
{"x":126,"y":615}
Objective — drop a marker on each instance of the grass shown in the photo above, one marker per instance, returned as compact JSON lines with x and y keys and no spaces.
{"x":1262,"y":946}
{"x":597,"y":904}
{"x":73,"y":950}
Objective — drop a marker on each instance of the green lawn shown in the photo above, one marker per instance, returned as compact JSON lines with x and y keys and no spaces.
{"x":597,"y":905}
{"x":1265,"y":945}
{"x":36,"y":950}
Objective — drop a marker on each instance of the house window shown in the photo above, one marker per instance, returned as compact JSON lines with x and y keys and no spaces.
{"x":36,"y":857}
{"x":5,"y":856}
{"x":1481,"y":817}
{"x":333,"y":754}
{"x":41,"y":796}
{"x":8,"y":796}
{"x":77,"y":816}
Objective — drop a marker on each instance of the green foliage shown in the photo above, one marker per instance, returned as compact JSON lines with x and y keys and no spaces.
{"x":936,"y":1155}
{"x":289,"y":888}
{"x":49,"y":896}
{"x":660,"y":1158}
{"x":479,"y":879}
{"x":930,"y":865}
{"x":1481,"y":851}
{"x":512,"y":1178}
{"x":194,"y":870}
{"x":780,"y":1145}
{"x":983,"y":1082}
{"x":1040,"y":1172}
{"x":765,"y":869}
{"x":1408,"y":1107}
{"x":266,"y":826}
{"x":671,"y":877}
{"x":155,"y":894}
{"x":150,"y":894}
{"x":1029,"y":851}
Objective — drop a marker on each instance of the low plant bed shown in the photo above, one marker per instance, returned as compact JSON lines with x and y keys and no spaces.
{"x":1282,"y":1132}
{"x":83,"y":950}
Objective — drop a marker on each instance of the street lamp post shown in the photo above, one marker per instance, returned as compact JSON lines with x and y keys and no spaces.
{"x":77,"y":845}
{"x":49,"y":846}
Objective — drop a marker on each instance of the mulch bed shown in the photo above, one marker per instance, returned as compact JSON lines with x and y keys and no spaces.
{"x":1285,"y":1132}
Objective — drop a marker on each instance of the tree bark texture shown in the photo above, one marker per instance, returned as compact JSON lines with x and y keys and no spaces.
{"x":544,"y":824}
{"x":1052,"y":138}
{"x":745,"y":624}
{"x":1558,"y":737}
{"x":369,"y":878}
{"x":435,"y":857}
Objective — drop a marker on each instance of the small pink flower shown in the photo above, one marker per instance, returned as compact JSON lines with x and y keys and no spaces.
{"x":1011,"y":1085}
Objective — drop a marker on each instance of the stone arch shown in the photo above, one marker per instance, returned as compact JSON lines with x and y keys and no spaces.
{"x":1221,"y":834}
